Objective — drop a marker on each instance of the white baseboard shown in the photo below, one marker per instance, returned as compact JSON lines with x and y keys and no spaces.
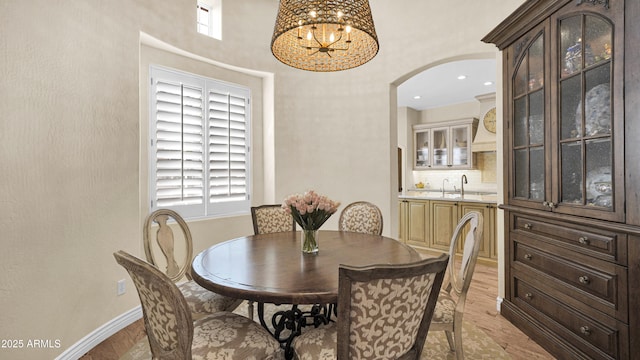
{"x":100,"y":334}
{"x":498,"y":303}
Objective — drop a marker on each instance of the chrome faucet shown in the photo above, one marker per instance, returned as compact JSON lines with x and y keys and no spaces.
{"x":463,"y":181}
{"x":443,"y":180}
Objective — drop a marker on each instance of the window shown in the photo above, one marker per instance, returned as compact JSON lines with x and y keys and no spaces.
{"x":209,"y":18}
{"x":203,"y":19}
{"x":199,"y":148}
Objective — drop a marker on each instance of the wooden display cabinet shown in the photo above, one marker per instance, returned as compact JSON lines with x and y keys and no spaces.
{"x":572,"y":194}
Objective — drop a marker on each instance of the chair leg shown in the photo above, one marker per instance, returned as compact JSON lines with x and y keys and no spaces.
{"x":457,"y":337}
{"x":450,"y":340}
{"x":250,"y":309}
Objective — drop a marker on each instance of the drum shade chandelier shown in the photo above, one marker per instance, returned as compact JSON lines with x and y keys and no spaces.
{"x":329,"y":35}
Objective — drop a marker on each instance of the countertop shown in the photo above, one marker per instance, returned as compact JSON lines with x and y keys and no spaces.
{"x":469,"y":196}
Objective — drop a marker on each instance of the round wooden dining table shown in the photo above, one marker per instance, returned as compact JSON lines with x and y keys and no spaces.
{"x":271,"y":268}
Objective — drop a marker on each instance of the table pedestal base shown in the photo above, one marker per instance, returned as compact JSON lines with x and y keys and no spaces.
{"x":287,"y":324}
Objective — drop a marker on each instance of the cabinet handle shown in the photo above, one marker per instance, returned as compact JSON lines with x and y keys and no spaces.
{"x":552,"y":205}
{"x":529,"y":296}
{"x":545,"y":204}
{"x":585,"y":330}
{"x":527,"y":226}
{"x":528,"y":256}
{"x":583,"y":240}
{"x":584,"y":279}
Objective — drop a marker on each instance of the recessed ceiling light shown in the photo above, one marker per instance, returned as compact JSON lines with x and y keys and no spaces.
{"x":417,"y":97}
{"x":462,"y":77}
{"x":488,"y":83}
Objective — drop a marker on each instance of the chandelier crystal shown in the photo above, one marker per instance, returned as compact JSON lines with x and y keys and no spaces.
{"x":330,"y":35}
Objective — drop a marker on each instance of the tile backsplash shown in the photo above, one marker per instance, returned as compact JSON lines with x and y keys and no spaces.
{"x":481,"y":178}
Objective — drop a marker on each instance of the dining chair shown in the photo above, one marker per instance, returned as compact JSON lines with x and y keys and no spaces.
{"x":362,"y":217}
{"x":173,"y":334}
{"x":269,"y":219}
{"x":178,"y":262}
{"x":384,"y":312}
{"x":451,"y":302}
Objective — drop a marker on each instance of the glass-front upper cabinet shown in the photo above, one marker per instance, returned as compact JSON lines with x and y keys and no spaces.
{"x":531,"y":176}
{"x":460,"y":141}
{"x":586,"y":154}
{"x":440,"y":147}
{"x":445,"y":145}
{"x":590,"y":115}
{"x":421,"y":141}
{"x":566,"y":138}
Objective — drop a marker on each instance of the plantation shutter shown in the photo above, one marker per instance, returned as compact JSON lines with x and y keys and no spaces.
{"x":179,"y":144}
{"x":227,"y":146}
{"x":199,"y":145}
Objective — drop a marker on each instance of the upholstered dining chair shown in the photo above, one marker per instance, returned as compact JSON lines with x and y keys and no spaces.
{"x":384,"y":312}
{"x":362,"y":217}
{"x":173,"y":334}
{"x":269,"y":219}
{"x":451,"y":302}
{"x":177,"y":254}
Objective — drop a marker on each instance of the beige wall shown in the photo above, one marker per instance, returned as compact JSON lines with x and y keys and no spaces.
{"x":72,"y":186}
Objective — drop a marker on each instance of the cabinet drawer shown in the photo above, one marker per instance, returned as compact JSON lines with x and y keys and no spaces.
{"x":601,"y":338}
{"x":596,"y":283}
{"x":601,"y":244}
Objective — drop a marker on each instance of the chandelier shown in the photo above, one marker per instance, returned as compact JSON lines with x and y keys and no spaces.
{"x":329,"y":35}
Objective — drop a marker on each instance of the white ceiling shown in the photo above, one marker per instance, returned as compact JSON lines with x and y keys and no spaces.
{"x":439,"y":86}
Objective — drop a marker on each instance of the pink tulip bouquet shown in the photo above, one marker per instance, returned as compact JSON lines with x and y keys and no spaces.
{"x":310,"y":211}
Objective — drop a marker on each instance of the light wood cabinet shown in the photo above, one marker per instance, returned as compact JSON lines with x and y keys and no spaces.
{"x":444,"y":145}
{"x":429,"y":224}
{"x":488,"y":211}
{"x":402,"y":220}
{"x":443,"y":221}
{"x":571,"y":155}
{"x":417,"y":223}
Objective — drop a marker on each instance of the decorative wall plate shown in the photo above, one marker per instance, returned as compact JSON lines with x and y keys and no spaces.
{"x":595,"y":183}
{"x":597,"y":120}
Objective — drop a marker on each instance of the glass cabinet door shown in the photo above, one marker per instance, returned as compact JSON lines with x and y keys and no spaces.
{"x":585,"y":108}
{"x":565,"y":114}
{"x":440,"y":141}
{"x":459,"y":145}
{"x":421,"y":143}
{"x":444,"y":145}
{"x":530,"y":177}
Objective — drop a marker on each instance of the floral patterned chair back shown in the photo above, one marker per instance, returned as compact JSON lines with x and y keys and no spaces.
{"x":172,"y":333}
{"x":362,"y":217}
{"x":384,"y":312}
{"x":451,"y":302}
{"x":167,"y":318}
{"x":269,"y":219}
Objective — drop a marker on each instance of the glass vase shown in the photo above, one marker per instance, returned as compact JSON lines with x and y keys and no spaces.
{"x":309,"y":241}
